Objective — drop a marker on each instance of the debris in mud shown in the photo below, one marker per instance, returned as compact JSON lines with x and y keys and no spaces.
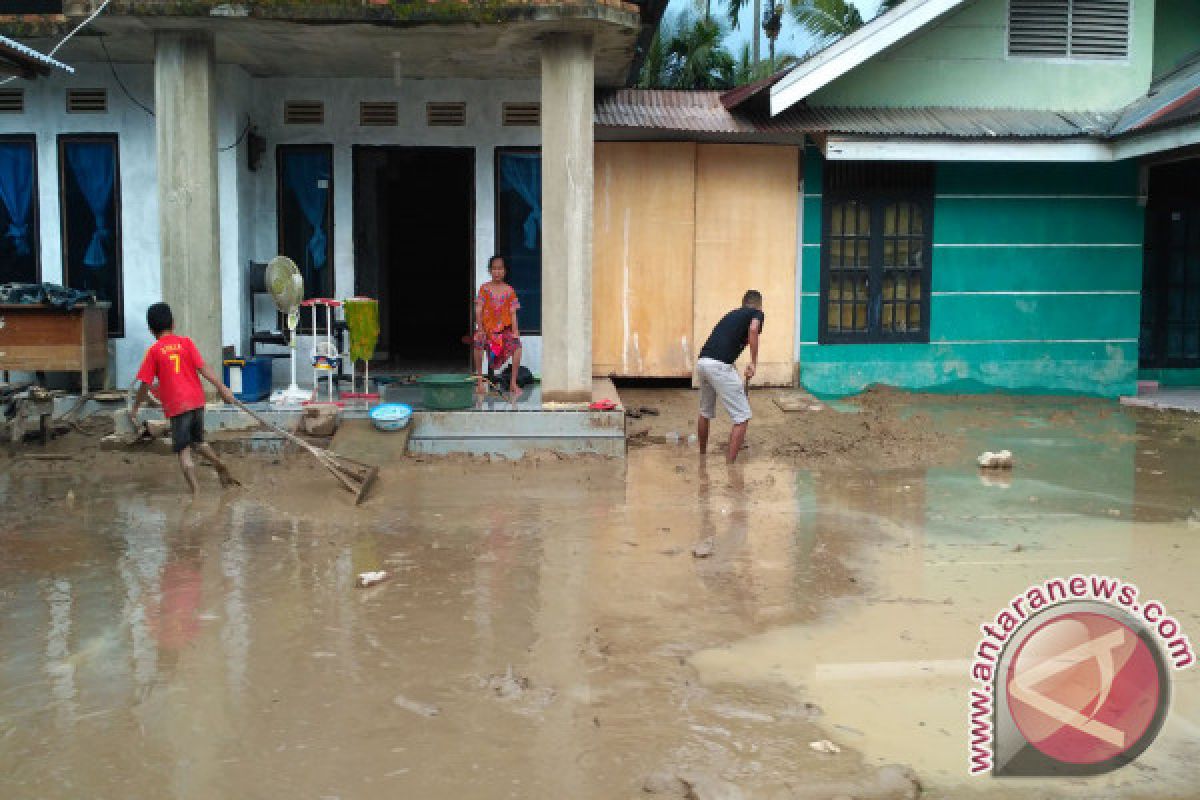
{"x":1002,"y":459}
{"x":825,"y":746}
{"x":703,"y":786}
{"x":368,"y":579}
{"x":516,"y":688}
{"x":424,"y":709}
{"x":509,"y":684}
{"x":663,"y":782}
{"x":891,"y":782}
{"x":705,"y":548}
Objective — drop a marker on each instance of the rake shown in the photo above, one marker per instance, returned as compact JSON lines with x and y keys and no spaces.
{"x":354,"y":476}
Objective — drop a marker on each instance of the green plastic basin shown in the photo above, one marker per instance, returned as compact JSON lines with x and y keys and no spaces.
{"x":447,"y":392}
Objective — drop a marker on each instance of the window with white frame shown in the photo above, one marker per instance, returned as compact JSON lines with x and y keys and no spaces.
{"x":1073,"y":29}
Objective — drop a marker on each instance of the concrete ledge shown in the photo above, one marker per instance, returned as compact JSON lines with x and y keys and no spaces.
{"x":1166,"y":399}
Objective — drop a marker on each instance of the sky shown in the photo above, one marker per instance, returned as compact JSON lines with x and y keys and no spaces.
{"x":791,"y":38}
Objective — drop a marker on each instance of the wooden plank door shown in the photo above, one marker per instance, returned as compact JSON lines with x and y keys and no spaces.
{"x":746,"y":202}
{"x":642,"y":259}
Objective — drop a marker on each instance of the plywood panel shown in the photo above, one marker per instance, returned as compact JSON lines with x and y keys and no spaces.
{"x":746,"y":203}
{"x":642,"y":259}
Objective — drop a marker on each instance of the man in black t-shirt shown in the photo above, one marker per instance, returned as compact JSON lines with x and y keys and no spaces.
{"x":719,"y":378}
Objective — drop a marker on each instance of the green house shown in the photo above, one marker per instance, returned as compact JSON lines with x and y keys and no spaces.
{"x":1000,"y":195}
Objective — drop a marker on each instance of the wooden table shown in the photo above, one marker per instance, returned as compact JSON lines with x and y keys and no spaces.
{"x":41,"y":338}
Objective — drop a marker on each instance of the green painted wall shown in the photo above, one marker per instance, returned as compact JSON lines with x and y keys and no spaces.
{"x":1036,"y":280}
{"x":1176,"y":33}
{"x":1171,"y":377}
{"x":963,"y":61}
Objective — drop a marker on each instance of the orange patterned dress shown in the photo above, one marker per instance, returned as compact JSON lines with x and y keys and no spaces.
{"x":496,"y":307}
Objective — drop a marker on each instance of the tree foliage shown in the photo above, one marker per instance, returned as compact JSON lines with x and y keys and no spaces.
{"x":688,"y":53}
{"x":826,"y":20}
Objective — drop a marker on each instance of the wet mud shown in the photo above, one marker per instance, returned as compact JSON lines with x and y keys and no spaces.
{"x":548,"y":630}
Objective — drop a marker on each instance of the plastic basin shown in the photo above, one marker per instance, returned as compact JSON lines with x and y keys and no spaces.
{"x":391,"y":416}
{"x":447,"y":392}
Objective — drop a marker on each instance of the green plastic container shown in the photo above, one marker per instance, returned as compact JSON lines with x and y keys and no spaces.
{"x":447,"y":392}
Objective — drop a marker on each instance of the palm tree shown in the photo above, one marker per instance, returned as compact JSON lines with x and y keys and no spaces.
{"x":827,"y":20}
{"x":746,"y":71}
{"x":654,"y":66}
{"x":698,"y":58}
{"x":688,"y":53}
{"x":733,"y":10}
{"x":772,"y":24}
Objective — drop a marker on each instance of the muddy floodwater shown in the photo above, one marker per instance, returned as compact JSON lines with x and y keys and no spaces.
{"x":577,"y":628}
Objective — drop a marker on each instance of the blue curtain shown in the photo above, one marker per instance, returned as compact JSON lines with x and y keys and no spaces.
{"x":306,"y":173}
{"x":522,"y":172}
{"x":93,"y":165}
{"x":16,"y":192}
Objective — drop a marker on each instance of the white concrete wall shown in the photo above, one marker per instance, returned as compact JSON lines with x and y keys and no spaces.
{"x":46,"y":117}
{"x":248,"y":213}
{"x":483,"y":131}
{"x":234,"y":111}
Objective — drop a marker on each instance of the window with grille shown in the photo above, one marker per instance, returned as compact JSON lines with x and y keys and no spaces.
{"x":875,"y":254}
{"x":1079,"y":29}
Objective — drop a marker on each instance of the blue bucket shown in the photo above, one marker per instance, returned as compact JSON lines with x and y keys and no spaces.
{"x":391,"y":416}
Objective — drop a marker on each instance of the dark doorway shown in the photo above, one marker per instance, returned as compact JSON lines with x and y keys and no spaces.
{"x":414,"y":216}
{"x":1170,"y":334}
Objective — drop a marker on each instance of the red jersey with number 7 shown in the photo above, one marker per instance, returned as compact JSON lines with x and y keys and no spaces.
{"x":174,"y":361}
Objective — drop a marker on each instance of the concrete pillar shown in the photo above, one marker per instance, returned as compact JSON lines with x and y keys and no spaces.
{"x":189,"y":233}
{"x":568,"y":86}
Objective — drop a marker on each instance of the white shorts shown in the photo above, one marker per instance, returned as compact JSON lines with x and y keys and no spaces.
{"x":718,"y":379}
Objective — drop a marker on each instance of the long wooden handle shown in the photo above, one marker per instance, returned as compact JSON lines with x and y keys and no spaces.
{"x":272,"y":426}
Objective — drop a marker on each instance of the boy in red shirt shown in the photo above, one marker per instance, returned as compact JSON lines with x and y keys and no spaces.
{"x":176,"y":363}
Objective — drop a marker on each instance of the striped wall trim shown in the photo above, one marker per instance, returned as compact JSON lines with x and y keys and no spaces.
{"x":949,"y":196}
{"x":1006,"y":292}
{"x":1041,"y":244}
{"x":991,"y":341}
{"x":1036,"y":196}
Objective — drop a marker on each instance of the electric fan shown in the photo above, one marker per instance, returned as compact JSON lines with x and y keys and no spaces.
{"x":286,"y":286}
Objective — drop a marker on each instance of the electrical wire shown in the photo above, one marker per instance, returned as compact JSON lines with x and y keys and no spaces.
{"x":66,"y":38}
{"x":242,"y":135}
{"x":113,"y":68}
{"x":120,"y":82}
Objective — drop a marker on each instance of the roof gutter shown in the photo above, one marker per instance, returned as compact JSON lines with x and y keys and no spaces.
{"x":914,"y":148}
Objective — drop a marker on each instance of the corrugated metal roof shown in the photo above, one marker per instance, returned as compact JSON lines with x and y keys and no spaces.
{"x":972,"y":123}
{"x":17,"y":53}
{"x":1171,"y":100}
{"x":668,"y":109}
{"x":704,"y":112}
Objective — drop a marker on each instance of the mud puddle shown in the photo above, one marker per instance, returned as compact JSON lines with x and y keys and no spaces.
{"x":1092,"y":494}
{"x":547,"y":631}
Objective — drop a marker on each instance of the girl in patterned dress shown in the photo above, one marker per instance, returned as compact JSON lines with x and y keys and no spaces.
{"x":496,"y":331}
